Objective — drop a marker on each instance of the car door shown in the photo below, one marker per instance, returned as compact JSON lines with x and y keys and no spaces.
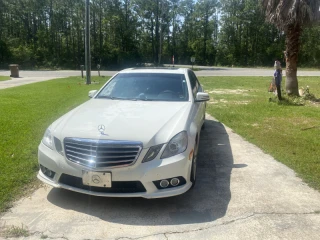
{"x":203,"y":105}
{"x":198,"y":108}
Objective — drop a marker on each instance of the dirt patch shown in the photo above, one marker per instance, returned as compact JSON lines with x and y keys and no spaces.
{"x":213,"y":102}
{"x":230,"y":102}
{"x":229,"y":91}
{"x":242,"y":102}
{"x":299,"y":122}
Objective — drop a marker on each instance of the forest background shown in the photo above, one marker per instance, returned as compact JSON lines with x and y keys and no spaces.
{"x":49,"y":34}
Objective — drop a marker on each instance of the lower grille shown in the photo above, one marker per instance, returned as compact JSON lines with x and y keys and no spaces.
{"x":117,"y":186}
{"x":96,"y":153}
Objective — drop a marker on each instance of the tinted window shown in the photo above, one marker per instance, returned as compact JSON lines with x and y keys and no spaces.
{"x":193,"y":82}
{"x":199,"y":87}
{"x":147,"y":86}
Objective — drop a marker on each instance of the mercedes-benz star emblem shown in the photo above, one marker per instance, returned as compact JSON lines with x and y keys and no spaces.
{"x":101,"y":129}
{"x":96,"y":179}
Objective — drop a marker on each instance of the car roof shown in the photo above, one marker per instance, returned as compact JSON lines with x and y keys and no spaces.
{"x":156,"y":70}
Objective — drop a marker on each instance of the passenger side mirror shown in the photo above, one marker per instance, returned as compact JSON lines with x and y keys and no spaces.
{"x":202,"y":97}
{"x":92,"y":93}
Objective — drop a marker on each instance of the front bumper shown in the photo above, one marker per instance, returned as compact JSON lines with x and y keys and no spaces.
{"x":146,"y":173}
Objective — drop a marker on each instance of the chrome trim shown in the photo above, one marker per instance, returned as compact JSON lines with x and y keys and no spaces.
{"x":85,"y":152}
{"x":104,"y":152}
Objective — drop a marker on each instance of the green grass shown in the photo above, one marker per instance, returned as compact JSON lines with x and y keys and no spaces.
{"x":4,"y":78}
{"x":25,"y":113}
{"x":15,"y":232}
{"x":287,"y":131}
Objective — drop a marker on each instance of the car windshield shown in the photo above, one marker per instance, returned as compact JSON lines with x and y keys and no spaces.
{"x":147,"y":87}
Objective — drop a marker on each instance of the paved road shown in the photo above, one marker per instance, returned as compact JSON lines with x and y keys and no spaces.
{"x":37,"y":76}
{"x":27,"y":77}
{"x":241,"y":193}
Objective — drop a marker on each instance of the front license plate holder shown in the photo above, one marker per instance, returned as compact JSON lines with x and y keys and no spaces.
{"x":97,"y":179}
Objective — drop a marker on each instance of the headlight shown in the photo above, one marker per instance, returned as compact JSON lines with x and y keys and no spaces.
{"x":58,"y":145}
{"x":47,"y":139}
{"x":176,"y":145}
{"x":152,"y":153}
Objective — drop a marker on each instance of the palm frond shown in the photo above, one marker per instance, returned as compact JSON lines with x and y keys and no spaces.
{"x":284,"y":13}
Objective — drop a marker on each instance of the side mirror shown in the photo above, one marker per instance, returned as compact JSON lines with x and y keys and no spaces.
{"x":92,"y":93}
{"x":202,"y":97}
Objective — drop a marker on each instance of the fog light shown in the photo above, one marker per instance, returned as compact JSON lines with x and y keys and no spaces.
{"x":169,"y":183}
{"x":43,"y":169}
{"x":174,"y":182}
{"x":164,"y":183}
{"x":49,"y":173}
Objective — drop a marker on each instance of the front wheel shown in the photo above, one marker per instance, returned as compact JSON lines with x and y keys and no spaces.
{"x":193,"y":174}
{"x":204,"y":120}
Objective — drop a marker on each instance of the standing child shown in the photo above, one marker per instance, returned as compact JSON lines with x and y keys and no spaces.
{"x":278,"y":77}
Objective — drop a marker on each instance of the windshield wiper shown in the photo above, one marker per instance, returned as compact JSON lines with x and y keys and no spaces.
{"x":144,"y":99}
{"x":130,"y":99}
{"x":108,"y":97}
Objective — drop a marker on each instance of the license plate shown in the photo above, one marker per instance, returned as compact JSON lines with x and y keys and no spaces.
{"x":96,"y":179}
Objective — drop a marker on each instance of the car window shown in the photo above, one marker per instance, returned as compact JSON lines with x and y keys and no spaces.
{"x":194,"y":83}
{"x":197,"y":83}
{"x":200,"y":89}
{"x":147,"y":86}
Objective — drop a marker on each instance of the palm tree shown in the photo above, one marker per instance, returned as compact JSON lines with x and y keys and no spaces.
{"x":292,"y":16}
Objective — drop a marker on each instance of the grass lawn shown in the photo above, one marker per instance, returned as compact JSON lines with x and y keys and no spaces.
{"x":25,"y":113}
{"x":4,"y":78}
{"x":290,"y":133}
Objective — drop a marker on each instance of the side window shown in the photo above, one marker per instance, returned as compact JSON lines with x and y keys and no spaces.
{"x":193,"y":82}
{"x":199,"y":87}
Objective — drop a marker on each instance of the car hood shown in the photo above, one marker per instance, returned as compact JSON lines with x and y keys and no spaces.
{"x":149,"y":122}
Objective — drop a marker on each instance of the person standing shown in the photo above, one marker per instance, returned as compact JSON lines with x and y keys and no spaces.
{"x":278,"y":77}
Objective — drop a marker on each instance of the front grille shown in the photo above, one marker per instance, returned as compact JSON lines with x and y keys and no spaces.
{"x":101,"y":153}
{"x":116,"y":187}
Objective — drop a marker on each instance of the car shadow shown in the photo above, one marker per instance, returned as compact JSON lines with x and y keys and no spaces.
{"x":206,"y":202}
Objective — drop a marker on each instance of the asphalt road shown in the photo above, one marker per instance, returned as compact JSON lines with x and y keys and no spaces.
{"x":27,"y":77}
{"x":241,"y":193}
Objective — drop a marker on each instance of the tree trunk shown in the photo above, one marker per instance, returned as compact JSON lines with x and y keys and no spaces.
{"x":152,"y":40}
{"x":156,"y":59}
{"x":206,"y":23}
{"x":292,"y":48}
{"x":100,"y":31}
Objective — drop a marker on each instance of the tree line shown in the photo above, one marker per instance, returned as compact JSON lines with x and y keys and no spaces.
{"x":126,"y":33}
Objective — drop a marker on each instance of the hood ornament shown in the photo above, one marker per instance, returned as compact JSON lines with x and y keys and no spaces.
{"x":101,"y":129}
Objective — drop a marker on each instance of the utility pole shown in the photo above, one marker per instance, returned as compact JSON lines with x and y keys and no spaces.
{"x":87,"y":43}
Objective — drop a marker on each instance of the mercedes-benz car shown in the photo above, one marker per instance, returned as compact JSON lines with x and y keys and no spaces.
{"x":137,"y":136}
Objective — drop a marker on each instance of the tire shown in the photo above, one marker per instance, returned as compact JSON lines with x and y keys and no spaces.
{"x":193,"y":173}
{"x":204,"y":124}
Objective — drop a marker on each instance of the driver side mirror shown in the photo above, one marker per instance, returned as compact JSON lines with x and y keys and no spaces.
{"x":92,"y":93}
{"x":202,"y":97}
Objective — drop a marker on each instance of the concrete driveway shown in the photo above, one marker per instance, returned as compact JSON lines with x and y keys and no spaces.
{"x":241,"y":193}
{"x":27,"y":77}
